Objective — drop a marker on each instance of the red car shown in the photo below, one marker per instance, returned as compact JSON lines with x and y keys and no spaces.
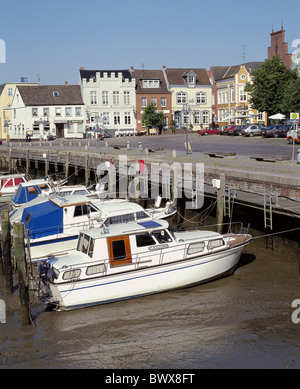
{"x":208,"y":131}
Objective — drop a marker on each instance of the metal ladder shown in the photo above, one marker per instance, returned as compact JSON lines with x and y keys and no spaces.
{"x":270,"y":198}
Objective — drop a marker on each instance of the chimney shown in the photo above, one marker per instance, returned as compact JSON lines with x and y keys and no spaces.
{"x":82,"y":68}
{"x":66,"y":82}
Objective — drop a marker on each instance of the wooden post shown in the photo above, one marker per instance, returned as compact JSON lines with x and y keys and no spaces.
{"x":220,"y":202}
{"x":10,"y":161}
{"x":67,"y":164}
{"x":19,"y":246}
{"x":86,"y":170}
{"x":6,"y":247}
{"x":27,"y":162}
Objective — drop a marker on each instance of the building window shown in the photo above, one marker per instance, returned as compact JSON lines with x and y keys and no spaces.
{"x":15,"y":113}
{"x":197,"y":117}
{"x":191,"y":80}
{"x":34,"y":111}
{"x":104,"y":98}
{"x":163,"y":101}
{"x":116,"y":98}
{"x":243,"y":95}
{"x":46,"y":111}
{"x":117,"y":119}
{"x":201,"y":98}
{"x":186,"y":118}
{"x":205,"y":117}
{"x":166,"y":122}
{"x":10,"y":91}
{"x":126,"y":98}
{"x":106,"y":120}
{"x":55,"y":93}
{"x":93,"y":96}
{"x":154,"y":101}
{"x":150,"y":83}
{"x":181,"y":98}
{"x":68,"y":111}
{"x":144,"y":101}
{"x":78,"y":111}
{"x":232,"y":95}
{"x":127,"y":118}
{"x":58,"y":111}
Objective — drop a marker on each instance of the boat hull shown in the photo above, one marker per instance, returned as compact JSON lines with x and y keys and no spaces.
{"x":144,"y":281}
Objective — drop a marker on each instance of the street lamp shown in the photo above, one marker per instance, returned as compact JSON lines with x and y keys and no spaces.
{"x":186,"y":109}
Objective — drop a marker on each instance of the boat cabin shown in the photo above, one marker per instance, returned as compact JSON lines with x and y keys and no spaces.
{"x":10,"y":182}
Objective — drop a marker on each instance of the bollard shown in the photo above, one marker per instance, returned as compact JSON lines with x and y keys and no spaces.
{"x":140,"y":146}
{"x":19,"y":246}
{"x":6,"y":249}
{"x":298,"y":156}
{"x":128,"y":145}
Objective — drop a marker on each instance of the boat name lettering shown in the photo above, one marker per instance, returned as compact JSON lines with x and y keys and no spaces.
{"x":161,"y":246}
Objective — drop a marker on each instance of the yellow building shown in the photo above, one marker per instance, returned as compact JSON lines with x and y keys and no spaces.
{"x":7,"y":92}
{"x":233,"y":105}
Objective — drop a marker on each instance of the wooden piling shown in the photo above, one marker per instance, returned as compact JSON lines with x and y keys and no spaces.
{"x":19,"y":247}
{"x":6,"y":249}
{"x":220,"y":202}
{"x":67,"y":164}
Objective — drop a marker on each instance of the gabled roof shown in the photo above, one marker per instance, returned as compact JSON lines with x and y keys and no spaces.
{"x":141,"y":74}
{"x":223,"y":72}
{"x":87,"y":74}
{"x":178,"y":76}
{"x":44,"y":95}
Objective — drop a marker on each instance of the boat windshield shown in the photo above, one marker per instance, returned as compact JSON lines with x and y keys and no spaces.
{"x":86,"y":244}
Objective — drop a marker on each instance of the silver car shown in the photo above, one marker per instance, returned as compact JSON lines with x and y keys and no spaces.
{"x":251,"y":130}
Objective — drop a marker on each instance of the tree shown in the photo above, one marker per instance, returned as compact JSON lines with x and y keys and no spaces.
{"x":152,"y":118}
{"x":291,"y":101}
{"x":267,"y":89}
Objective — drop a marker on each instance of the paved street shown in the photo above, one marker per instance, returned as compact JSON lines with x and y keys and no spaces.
{"x":212,"y":143}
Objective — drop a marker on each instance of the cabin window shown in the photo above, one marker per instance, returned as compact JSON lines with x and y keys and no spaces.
{"x":44,"y":186}
{"x":129,"y":217}
{"x":33,"y":190}
{"x":81,"y":210}
{"x":71,"y":274}
{"x":84,"y":243}
{"x":196,"y":248}
{"x":162,"y":236}
{"x":18,"y":180}
{"x":81,"y":192}
{"x":119,"y":250}
{"x":95,"y":269}
{"x":144,"y":240}
{"x":212,"y":244}
{"x":141,"y":215}
{"x":7,"y":183}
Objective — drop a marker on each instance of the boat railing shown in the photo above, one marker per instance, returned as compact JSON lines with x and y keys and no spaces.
{"x":232,"y":227}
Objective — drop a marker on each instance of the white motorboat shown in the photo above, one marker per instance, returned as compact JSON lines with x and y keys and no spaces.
{"x":52,"y":224}
{"x":130,"y":260}
{"x":9,"y":184}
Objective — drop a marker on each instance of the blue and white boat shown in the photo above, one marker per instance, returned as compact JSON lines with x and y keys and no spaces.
{"x":123,"y":261}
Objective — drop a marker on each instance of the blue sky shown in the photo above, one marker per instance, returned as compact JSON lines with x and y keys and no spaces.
{"x":51,"y":39}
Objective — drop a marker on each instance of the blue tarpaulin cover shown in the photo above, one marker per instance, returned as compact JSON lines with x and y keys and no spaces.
{"x":43,"y":219}
{"x":26,"y":193}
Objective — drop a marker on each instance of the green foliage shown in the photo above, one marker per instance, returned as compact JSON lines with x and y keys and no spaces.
{"x":291,"y":101}
{"x":151,"y":118}
{"x":268,"y":87}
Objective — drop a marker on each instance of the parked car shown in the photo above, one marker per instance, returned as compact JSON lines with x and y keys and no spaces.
{"x":251,"y":130}
{"x":275,"y":131}
{"x":0,"y":141}
{"x":237,"y":130}
{"x":293,"y":135}
{"x":227,"y":129}
{"x":208,"y":131}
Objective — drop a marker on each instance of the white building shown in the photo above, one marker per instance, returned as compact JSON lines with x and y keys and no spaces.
{"x":109,"y":98}
{"x":42,"y":110}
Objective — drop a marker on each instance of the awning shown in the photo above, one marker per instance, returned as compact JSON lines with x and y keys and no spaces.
{"x":277,"y":116}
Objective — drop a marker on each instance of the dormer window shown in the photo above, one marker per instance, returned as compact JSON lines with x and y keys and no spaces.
{"x":55,"y":94}
{"x":191,"y":79}
{"x":150,"y":83}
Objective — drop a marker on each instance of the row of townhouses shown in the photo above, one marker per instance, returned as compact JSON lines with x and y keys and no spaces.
{"x":115,"y":100}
